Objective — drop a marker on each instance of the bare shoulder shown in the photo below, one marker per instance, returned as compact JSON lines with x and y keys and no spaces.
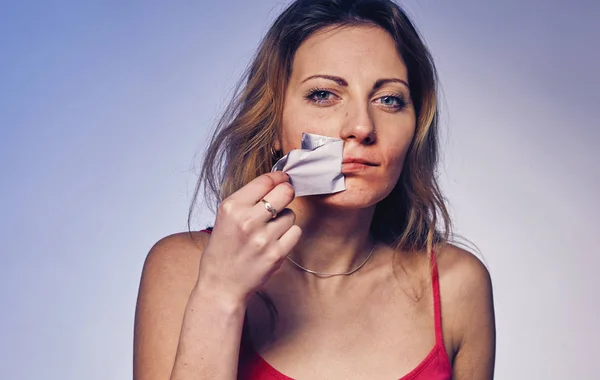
{"x":176,"y":256}
{"x":461,"y":272}
{"x":467,"y":309}
{"x":170,"y":270}
{"x":169,"y":275}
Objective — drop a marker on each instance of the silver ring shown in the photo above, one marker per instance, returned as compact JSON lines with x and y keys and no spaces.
{"x":269,"y":208}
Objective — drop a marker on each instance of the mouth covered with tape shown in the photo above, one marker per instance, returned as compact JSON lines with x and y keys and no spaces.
{"x":315,"y":168}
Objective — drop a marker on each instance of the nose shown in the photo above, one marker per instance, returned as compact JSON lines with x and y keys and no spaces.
{"x":358,"y":125}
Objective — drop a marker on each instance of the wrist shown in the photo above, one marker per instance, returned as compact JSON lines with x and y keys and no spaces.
{"x":218,"y":299}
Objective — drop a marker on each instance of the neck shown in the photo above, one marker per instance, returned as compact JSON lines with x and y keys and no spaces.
{"x":333,"y":240}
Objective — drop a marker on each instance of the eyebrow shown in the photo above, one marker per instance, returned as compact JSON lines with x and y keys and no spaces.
{"x":342,"y":81}
{"x":338,"y":80}
{"x":381,"y":82}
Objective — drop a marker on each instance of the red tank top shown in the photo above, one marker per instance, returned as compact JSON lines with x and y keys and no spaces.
{"x":435,"y":366}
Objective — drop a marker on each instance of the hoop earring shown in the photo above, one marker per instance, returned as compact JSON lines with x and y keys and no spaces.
{"x":275,"y":154}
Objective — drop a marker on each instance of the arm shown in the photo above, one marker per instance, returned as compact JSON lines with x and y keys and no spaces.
{"x":194,"y":291}
{"x":183,"y":331}
{"x":210,"y":338}
{"x":474,"y":322}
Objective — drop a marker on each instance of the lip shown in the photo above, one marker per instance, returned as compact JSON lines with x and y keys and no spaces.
{"x":354,"y":165}
{"x":358,"y":160}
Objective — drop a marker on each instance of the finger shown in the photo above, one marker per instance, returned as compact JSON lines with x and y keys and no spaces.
{"x":275,"y":201}
{"x":289,"y":239}
{"x":280,"y":225}
{"x":256,"y":189}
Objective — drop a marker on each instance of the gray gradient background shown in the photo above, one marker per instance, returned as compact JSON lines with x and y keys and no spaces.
{"x":105,"y":107}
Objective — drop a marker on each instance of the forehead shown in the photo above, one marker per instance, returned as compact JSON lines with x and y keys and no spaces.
{"x":348,"y":51}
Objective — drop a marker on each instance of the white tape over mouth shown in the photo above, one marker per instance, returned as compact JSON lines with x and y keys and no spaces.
{"x":316,"y":168}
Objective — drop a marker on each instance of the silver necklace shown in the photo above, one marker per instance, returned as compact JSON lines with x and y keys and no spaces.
{"x":327,"y":275}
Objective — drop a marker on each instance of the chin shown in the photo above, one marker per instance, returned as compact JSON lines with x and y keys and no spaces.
{"x":358,"y":195}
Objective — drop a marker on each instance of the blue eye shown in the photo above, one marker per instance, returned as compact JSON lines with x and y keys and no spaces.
{"x":319,"y":96}
{"x":391,"y":101}
{"x":322,"y":95}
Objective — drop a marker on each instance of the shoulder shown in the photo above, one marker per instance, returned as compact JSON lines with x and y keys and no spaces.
{"x":171,"y":269}
{"x":177,"y":254}
{"x":461,"y":271}
{"x":466,"y":295}
{"x":169,"y":275}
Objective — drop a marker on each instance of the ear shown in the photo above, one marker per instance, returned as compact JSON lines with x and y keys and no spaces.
{"x":277,"y":144}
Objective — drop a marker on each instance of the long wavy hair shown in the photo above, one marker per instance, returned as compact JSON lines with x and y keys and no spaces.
{"x":414,"y":216}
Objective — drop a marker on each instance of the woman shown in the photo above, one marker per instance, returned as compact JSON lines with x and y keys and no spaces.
{"x":358,"y":284}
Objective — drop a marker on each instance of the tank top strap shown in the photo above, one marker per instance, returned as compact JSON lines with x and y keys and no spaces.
{"x":437,"y":306}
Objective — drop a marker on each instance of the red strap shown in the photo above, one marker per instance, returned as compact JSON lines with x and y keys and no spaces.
{"x":437,"y":307}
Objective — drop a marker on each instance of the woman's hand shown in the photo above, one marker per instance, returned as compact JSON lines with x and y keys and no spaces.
{"x":194,"y":292}
{"x":247,"y":244}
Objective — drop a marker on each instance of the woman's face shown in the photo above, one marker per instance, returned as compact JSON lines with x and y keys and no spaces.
{"x":351,"y":83}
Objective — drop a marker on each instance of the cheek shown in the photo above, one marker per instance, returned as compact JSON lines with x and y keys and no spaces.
{"x":291,"y":129}
{"x":297,"y":119}
{"x":396,"y":151}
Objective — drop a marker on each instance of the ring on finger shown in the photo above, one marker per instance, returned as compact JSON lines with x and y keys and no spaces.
{"x":269,"y":208}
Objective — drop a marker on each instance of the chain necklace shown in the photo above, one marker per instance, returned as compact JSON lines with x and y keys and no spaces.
{"x":327,"y":275}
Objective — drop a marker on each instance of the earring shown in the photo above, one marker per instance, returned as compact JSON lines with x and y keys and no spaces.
{"x":276,"y":154}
